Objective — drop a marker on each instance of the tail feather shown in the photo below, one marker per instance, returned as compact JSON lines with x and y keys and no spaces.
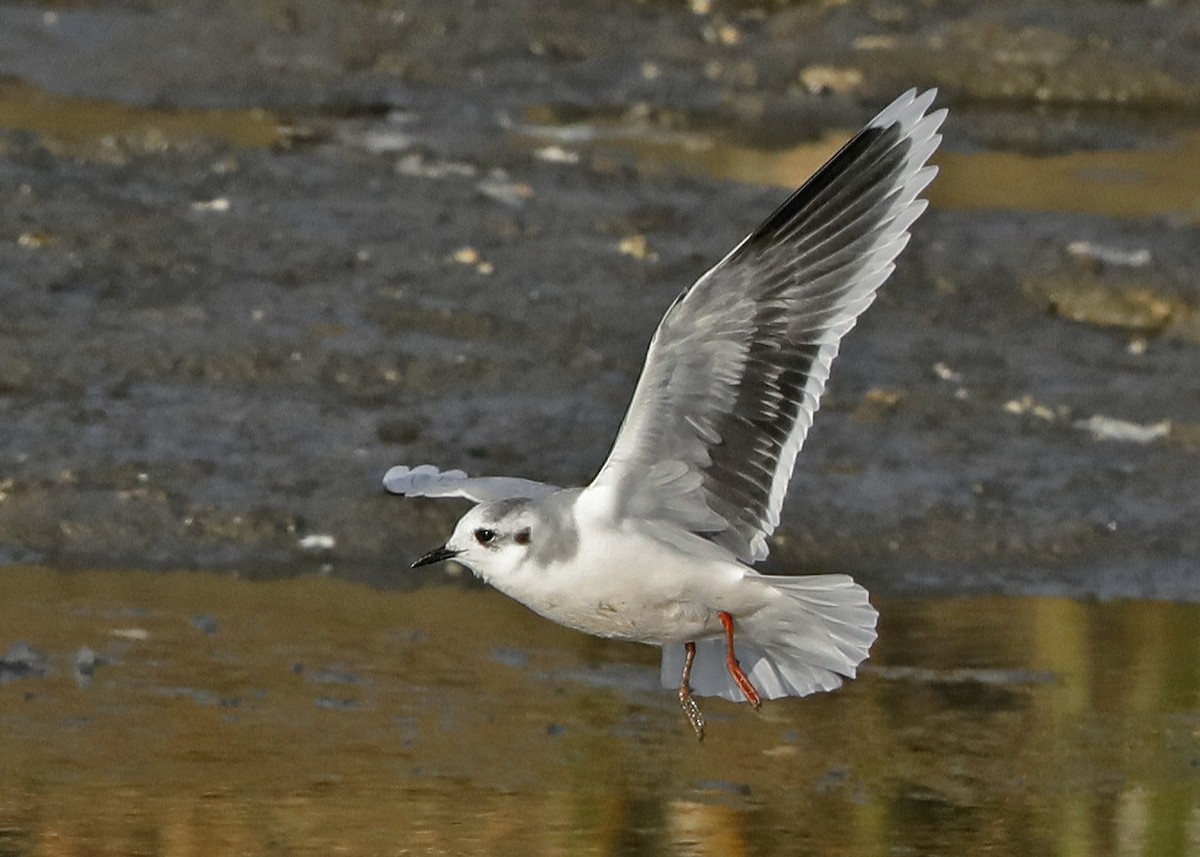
{"x":815,"y":631}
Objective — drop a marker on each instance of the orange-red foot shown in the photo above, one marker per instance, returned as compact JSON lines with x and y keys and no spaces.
{"x":690,"y":709}
{"x":735,"y":669}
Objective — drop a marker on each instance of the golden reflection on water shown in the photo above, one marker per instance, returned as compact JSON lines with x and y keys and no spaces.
{"x":1118,"y":183}
{"x":92,"y":127}
{"x":313,"y":716}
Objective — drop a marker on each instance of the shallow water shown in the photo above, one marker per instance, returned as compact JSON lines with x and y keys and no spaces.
{"x":95,"y":127}
{"x":312,"y":715}
{"x":1131,"y":182}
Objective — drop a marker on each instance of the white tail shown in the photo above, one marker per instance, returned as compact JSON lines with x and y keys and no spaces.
{"x":818,"y":629}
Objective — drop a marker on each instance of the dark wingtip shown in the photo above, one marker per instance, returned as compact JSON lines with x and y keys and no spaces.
{"x":867,"y":142}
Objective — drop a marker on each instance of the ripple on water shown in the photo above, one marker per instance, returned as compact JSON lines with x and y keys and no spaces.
{"x":451,"y":719}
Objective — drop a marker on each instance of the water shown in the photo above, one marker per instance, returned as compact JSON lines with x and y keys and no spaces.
{"x":99,"y":128}
{"x":317,"y":716}
{"x":1152,"y":178}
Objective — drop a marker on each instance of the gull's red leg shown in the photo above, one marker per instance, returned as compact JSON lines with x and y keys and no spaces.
{"x":735,"y":669}
{"x":690,"y":709}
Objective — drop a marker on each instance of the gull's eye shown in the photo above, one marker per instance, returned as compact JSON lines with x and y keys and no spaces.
{"x":521,"y":537}
{"x":484,"y":535}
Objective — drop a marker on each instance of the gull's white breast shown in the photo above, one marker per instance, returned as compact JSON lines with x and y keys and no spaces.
{"x":626,"y":584}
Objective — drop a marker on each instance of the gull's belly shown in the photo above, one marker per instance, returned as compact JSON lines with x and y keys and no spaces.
{"x":629,"y":589}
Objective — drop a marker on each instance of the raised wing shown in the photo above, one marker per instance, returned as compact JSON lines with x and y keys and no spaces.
{"x":736,"y":369}
{"x":427,"y":481}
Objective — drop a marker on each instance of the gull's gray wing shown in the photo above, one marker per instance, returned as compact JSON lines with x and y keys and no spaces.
{"x":736,"y":369}
{"x":427,"y":481}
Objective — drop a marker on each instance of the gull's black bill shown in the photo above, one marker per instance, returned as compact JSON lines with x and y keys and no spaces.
{"x":436,"y":555}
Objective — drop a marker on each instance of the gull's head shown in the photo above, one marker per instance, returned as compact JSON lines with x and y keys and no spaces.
{"x":492,"y":539}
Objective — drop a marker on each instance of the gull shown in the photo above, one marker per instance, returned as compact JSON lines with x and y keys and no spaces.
{"x":659,"y":548}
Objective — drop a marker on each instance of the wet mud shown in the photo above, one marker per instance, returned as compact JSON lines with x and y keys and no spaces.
{"x":256,"y":253}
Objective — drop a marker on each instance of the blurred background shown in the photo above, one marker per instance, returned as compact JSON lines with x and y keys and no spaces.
{"x":254,"y":253}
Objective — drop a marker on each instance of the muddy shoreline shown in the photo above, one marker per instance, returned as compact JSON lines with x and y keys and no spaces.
{"x":221,"y":326}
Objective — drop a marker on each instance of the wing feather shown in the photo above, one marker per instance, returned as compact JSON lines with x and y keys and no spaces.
{"x":738,"y":364}
{"x":426,"y":480}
